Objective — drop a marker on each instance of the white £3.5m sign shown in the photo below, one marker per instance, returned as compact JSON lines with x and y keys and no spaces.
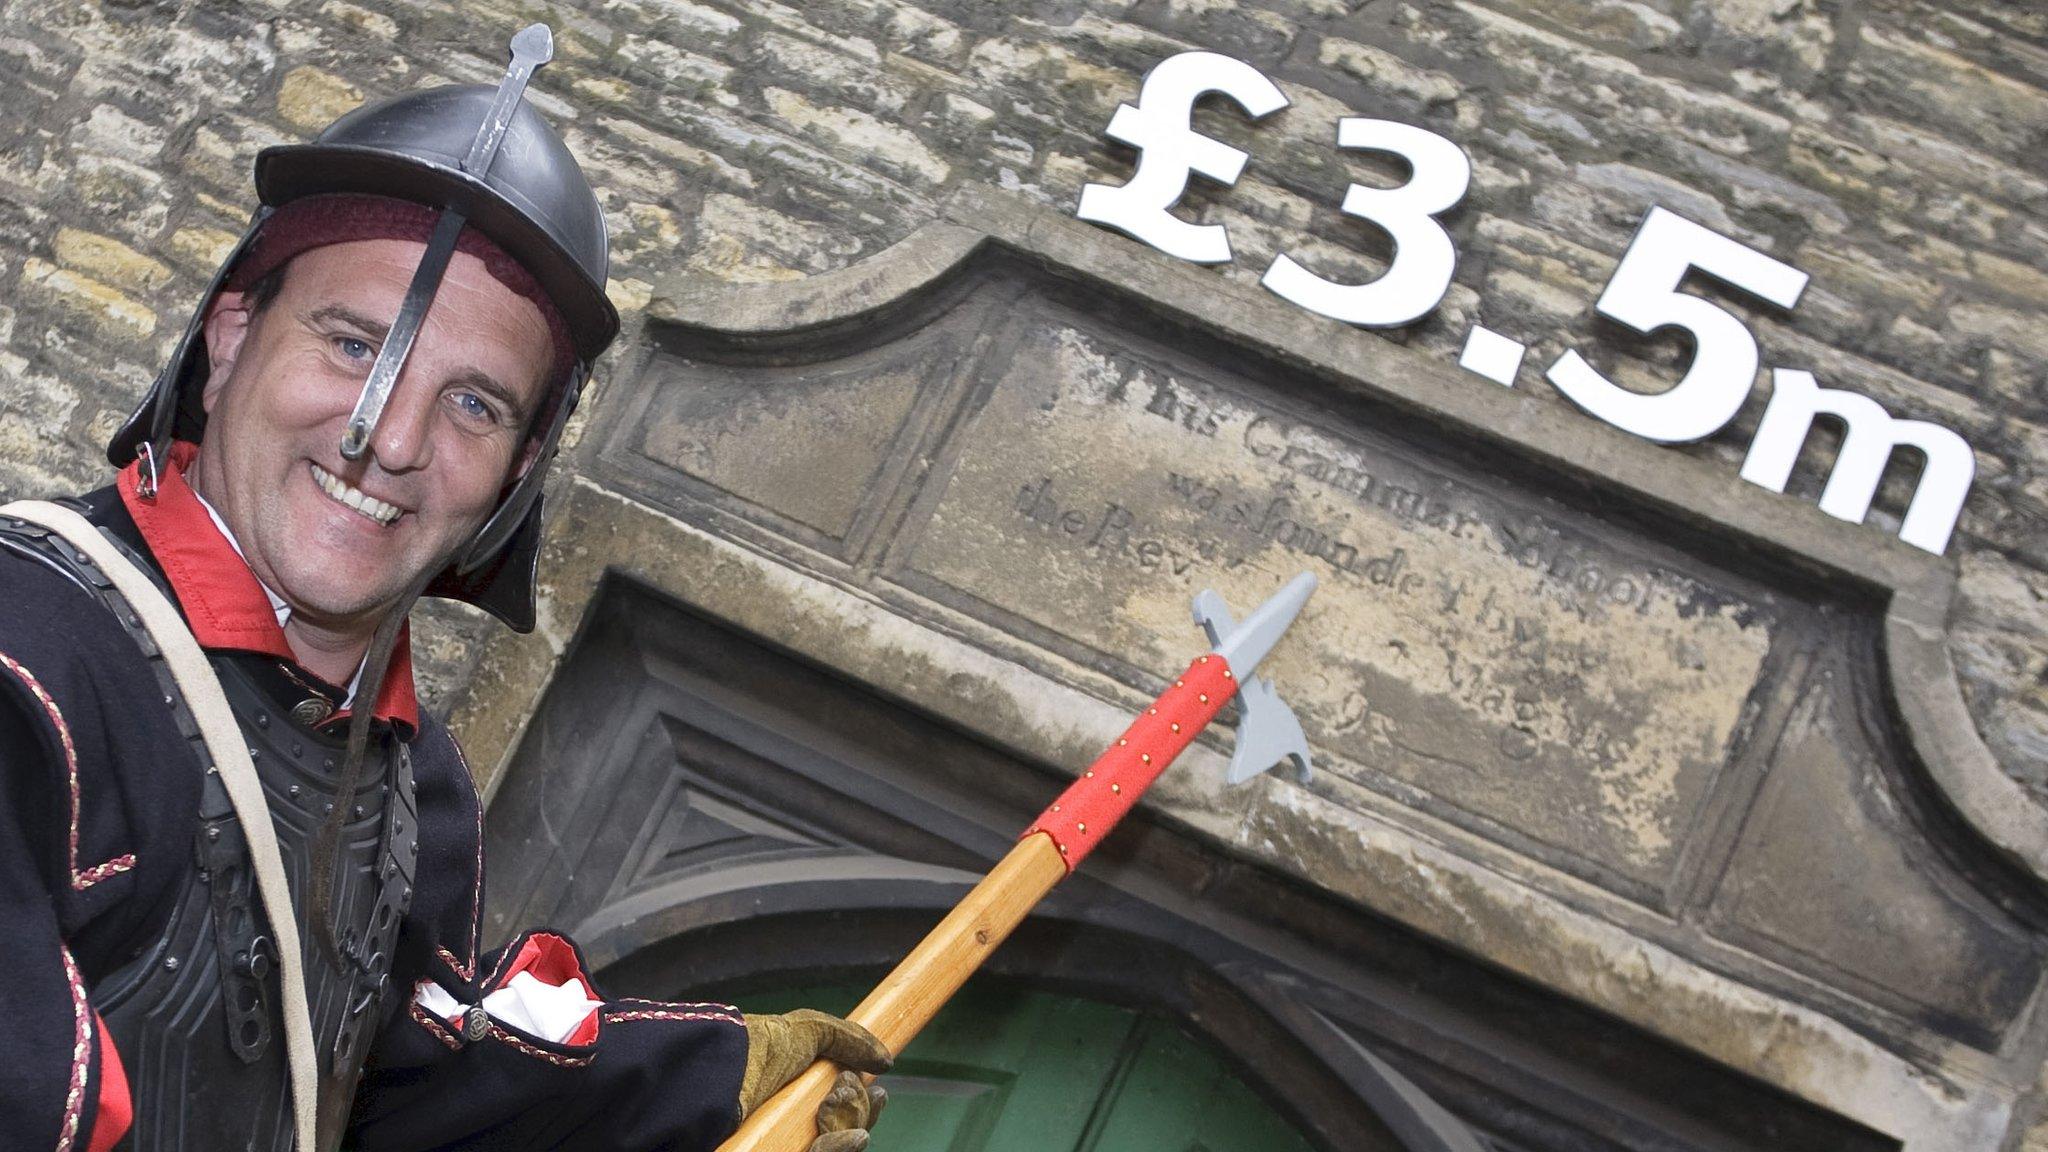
{"x":1642,"y":294}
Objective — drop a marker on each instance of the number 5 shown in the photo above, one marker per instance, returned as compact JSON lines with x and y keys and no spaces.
{"x":1423,"y":256}
{"x":1643,"y":294}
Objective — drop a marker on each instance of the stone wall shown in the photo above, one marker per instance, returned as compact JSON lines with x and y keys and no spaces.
{"x":1887,"y":147}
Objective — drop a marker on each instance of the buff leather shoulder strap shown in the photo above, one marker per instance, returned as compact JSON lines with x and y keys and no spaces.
{"x":230,"y":753}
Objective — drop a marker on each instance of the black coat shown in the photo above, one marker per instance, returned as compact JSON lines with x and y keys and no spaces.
{"x":98,"y":808}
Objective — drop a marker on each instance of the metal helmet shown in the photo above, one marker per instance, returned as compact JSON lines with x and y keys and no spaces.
{"x":485,"y":159}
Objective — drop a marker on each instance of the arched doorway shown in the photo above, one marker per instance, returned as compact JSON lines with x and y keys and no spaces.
{"x":1068,"y":1021}
{"x":1006,"y":1068}
{"x":715,"y":819}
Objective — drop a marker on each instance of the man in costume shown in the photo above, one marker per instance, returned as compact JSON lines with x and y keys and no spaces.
{"x":360,"y":413}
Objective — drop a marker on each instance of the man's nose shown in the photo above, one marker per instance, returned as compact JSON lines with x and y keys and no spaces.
{"x":403,"y":440}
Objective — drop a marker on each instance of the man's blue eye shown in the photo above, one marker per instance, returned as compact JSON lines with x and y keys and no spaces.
{"x":472,"y":405}
{"x":353,"y":348}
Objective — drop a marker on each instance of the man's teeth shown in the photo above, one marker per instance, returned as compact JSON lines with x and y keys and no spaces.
{"x":348,"y":494}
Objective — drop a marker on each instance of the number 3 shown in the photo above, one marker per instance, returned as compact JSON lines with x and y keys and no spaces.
{"x":1423,"y":255}
{"x":1643,"y":294}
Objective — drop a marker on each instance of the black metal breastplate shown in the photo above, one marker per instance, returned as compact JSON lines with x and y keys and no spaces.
{"x":196,"y":1015}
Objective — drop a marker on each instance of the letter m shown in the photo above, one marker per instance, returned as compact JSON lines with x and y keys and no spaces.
{"x":1869,"y":436}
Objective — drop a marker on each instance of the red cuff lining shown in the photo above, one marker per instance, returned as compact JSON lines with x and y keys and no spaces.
{"x":116,"y":1112}
{"x":585,"y":1033}
{"x":552,"y":960}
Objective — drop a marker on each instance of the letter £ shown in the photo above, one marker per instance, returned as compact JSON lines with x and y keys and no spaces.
{"x":1158,"y":125}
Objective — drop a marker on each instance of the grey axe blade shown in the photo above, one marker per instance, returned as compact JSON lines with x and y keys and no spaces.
{"x":1268,"y":731}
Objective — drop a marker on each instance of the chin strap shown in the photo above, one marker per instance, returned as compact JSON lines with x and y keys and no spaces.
{"x":327,"y":842}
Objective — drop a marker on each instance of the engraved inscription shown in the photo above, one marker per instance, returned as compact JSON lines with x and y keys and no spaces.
{"x":1474,"y":648}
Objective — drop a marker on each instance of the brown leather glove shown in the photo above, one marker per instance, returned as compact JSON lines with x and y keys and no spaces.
{"x":781,"y":1047}
{"x":849,"y":1110}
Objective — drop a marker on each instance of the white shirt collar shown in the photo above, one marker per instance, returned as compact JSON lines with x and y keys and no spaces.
{"x":277,"y":603}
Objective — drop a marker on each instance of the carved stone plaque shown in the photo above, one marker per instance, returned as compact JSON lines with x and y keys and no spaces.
{"x":1467,"y":644}
{"x":1581,"y":706}
{"x":809,"y":449}
{"x":1823,"y":877}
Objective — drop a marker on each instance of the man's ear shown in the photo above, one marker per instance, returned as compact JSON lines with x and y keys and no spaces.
{"x":529,"y":449}
{"x":227,"y":325}
{"x":529,"y":455}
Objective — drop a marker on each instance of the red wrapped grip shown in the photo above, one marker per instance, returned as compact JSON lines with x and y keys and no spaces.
{"x":1092,"y":805}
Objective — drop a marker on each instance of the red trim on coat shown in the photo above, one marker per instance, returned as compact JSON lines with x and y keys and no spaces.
{"x":223,"y":601}
{"x":82,"y":1019}
{"x":81,"y":878}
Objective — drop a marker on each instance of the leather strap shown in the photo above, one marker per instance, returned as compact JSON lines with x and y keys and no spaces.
{"x":195,"y":677}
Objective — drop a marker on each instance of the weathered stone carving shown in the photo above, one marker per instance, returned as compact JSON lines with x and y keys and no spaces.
{"x":1593,"y":711}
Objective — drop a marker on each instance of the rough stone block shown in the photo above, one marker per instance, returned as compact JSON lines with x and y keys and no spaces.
{"x":1935,"y":86}
{"x":108,"y":309}
{"x":361,"y":20}
{"x":200,"y":249}
{"x":109,"y":260}
{"x":742,"y":241}
{"x":665,"y":64}
{"x":828,"y":73}
{"x":1384,"y":70}
{"x":855,"y":134}
{"x":312,"y":98}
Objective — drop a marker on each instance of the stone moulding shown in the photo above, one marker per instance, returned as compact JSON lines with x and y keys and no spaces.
{"x":1917,"y":589}
{"x":783,"y":310}
{"x":1931,"y":1094}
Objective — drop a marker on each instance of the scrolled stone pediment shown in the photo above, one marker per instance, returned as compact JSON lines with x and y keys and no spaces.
{"x":1589,"y":709}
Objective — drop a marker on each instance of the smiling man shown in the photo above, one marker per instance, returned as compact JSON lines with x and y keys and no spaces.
{"x":339,"y":539}
{"x":361,"y":411}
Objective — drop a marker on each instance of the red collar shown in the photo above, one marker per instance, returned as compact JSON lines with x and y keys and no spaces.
{"x":223,"y":601}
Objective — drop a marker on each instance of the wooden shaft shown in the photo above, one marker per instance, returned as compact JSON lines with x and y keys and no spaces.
{"x":907,"y":999}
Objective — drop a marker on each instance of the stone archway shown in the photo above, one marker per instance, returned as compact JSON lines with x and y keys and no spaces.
{"x":712,"y":816}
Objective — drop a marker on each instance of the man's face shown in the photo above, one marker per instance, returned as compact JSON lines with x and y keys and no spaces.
{"x":341,"y":539}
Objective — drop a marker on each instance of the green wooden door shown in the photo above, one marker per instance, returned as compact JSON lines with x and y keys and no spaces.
{"x":1011,"y":1071}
